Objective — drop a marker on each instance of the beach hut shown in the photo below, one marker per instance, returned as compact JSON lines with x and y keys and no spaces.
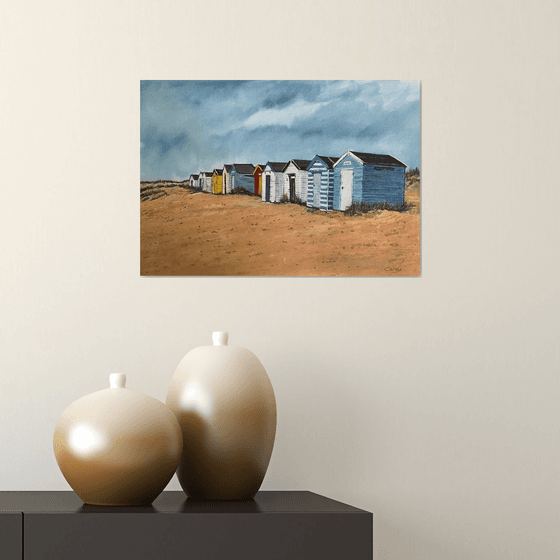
{"x":295,"y":176}
{"x":193,"y":180}
{"x":226,"y":171}
{"x":217,"y":183}
{"x":273,"y":181}
{"x":257,"y":174}
{"x":206,"y":181}
{"x":242,"y":176}
{"x":320,"y":182}
{"x":370,"y":178}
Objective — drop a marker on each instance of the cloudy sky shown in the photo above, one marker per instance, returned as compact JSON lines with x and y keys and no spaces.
{"x":189,"y":126}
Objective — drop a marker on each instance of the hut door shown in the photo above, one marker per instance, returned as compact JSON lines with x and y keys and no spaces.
{"x":346,"y":184}
{"x":292,"y":188}
{"x":317,"y":190}
{"x":267,"y":188}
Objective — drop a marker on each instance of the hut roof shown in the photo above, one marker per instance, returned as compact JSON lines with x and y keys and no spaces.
{"x":300,"y":163}
{"x":194,"y":176}
{"x":379,"y":159}
{"x":277,"y":166}
{"x":228,"y":167}
{"x":218,"y":171}
{"x":329,"y":160}
{"x":244,"y":167}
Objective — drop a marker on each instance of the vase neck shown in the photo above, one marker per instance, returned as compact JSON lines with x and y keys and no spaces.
{"x":220,"y":338}
{"x":117,"y":381}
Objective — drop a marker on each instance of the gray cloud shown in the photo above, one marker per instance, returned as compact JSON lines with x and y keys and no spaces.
{"x":189,"y":126}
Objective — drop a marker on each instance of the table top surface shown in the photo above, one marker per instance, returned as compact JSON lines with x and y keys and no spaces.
{"x":281,"y":501}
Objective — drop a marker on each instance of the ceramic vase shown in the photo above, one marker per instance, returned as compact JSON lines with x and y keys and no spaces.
{"x":225,"y":405}
{"x":117,"y":447}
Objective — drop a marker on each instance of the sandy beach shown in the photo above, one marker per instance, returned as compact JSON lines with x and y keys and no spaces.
{"x":190,"y":233}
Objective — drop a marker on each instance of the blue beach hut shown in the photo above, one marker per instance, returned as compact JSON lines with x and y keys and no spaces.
{"x":370,"y":178}
{"x":241,"y":176}
{"x":320,"y":182}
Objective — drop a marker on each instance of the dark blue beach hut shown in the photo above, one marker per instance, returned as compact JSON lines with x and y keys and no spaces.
{"x":320,"y":182}
{"x":371,"y":178}
{"x":241,"y":176}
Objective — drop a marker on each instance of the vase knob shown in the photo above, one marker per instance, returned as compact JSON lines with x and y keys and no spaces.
{"x":220,"y":338}
{"x":117,"y":381}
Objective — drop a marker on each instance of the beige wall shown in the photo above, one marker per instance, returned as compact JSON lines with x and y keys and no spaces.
{"x":432,"y":401}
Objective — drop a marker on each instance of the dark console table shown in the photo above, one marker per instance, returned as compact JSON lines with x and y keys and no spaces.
{"x":273,"y":526}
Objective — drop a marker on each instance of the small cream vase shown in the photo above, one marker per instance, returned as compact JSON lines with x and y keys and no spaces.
{"x":225,"y":405}
{"x":117,"y":447}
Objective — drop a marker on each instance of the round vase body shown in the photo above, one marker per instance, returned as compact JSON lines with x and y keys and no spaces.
{"x":225,"y":405}
{"x":118,"y":447}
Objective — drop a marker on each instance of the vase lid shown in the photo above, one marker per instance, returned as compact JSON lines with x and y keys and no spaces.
{"x":117,"y":381}
{"x":220,"y":338}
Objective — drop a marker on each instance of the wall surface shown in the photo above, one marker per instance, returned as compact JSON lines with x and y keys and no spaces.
{"x":432,"y":401}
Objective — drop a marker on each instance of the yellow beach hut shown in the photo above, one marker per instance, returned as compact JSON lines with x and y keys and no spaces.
{"x":217,"y":183}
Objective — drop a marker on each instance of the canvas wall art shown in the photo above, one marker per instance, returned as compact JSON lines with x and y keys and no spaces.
{"x":280,"y":178}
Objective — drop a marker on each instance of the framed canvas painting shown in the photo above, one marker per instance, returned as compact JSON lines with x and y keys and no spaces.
{"x":280,"y":178}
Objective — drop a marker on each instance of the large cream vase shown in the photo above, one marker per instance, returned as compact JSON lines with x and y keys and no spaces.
{"x":225,"y":405}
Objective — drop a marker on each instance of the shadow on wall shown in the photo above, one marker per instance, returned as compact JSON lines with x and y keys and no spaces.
{"x":396,"y":543}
